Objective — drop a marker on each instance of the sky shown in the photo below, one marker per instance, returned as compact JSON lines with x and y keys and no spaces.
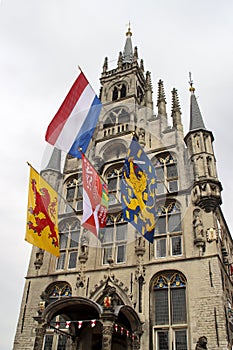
{"x":42,"y":43}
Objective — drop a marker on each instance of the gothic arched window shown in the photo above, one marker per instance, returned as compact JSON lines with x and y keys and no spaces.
{"x":168,"y":236}
{"x":74,"y":194}
{"x":115,"y":94}
{"x":169,"y":314}
{"x":69,"y":231}
{"x":123,"y":91}
{"x":113,"y":176}
{"x":166,"y":172}
{"x":139,"y":93}
{"x":113,"y":238}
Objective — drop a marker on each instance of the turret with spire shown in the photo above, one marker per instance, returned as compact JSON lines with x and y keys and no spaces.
{"x":206,"y":187}
{"x":52,"y":172}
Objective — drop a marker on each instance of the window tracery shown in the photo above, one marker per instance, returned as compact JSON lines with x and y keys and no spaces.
{"x":168,"y":236}
{"x":169,"y":313}
{"x":166,"y":172}
{"x":69,"y":231}
{"x":74,"y":194}
{"x":113,"y":238}
{"x":113,"y":176}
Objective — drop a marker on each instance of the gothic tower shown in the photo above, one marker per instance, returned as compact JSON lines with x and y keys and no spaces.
{"x":123,"y":292}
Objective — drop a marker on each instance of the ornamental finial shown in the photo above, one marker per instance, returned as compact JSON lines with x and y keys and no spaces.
{"x":191,"y":89}
{"x":129,"y":33}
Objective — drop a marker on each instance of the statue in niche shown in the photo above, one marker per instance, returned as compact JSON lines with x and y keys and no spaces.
{"x":80,"y":280}
{"x":197,"y":224}
{"x":84,"y":243}
{"x":201,"y":343}
{"x":141,"y":136}
{"x":39,"y":259}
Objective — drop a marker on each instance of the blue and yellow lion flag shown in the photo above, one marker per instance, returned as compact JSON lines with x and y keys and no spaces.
{"x":138,"y":187}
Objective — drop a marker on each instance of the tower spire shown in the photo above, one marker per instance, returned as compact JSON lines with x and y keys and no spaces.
{"x":196,"y":120}
{"x":128,"y":49}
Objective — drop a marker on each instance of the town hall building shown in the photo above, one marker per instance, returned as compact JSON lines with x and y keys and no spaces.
{"x":122,"y":292}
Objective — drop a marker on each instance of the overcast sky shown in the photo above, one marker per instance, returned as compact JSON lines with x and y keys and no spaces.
{"x":41,"y":45}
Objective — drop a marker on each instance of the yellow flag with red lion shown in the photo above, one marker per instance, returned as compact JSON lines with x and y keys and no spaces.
{"x":42,"y":215}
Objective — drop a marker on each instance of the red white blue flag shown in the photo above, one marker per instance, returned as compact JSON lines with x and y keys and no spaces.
{"x":73,"y":125}
{"x":95,"y":199}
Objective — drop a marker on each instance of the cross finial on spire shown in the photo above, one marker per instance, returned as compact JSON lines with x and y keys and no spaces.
{"x":191,"y":89}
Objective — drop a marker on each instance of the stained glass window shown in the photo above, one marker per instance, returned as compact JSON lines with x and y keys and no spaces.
{"x":169,"y":316}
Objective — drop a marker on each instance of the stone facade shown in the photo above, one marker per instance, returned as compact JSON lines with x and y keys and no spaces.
{"x":124,"y":292}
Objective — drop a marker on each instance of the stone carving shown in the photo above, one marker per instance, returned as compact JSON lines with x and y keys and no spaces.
{"x":111,"y":299}
{"x":107,"y":337}
{"x":136,"y":343}
{"x":212,"y":234}
{"x":140,"y":246}
{"x":207,"y":195}
{"x":141,"y":136}
{"x":201,"y":343}
{"x":39,"y":259}
{"x":198,"y":230}
{"x":197,"y":224}
{"x":83,"y":256}
{"x":80,"y":280}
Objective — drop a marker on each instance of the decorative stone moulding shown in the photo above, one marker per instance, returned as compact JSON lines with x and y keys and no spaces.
{"x":207,"y":196}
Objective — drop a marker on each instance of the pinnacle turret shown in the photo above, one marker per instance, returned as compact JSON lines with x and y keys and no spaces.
{"x":148,"y":80}
{"x":105,"y":66}
{"x":161,"y":93}
{"x":135,"y":55}
{"x":175,"y":102}
{"x":206,"y":192}
{"x":176,"y":112}
{"x":161,"y":104}
{"x":120,"y":60}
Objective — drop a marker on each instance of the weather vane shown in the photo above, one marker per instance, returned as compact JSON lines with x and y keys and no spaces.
{"x":191,"y":83}
{"x":190,"y":79}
